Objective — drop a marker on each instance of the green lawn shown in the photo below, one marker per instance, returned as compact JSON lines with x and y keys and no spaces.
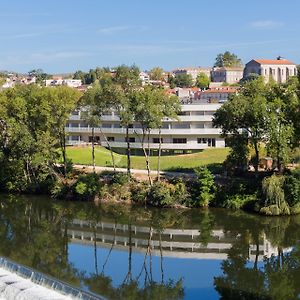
{"x":184,"y":162}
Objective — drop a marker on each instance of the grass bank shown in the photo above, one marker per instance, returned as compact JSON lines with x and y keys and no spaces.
{"x":212,"y":158}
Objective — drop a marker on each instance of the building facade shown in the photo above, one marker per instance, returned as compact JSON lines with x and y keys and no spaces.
{"x":280,"y":70}
{"x":194,"y":72}
{"x":193,"y":131}
{"x":229,"y":75}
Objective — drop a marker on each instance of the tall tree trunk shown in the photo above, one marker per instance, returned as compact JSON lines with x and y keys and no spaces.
{"x":110,"y":150}
{"x":142,"y":141}
{"x":63,"y":149}
{"x":95,"y":248}
{"x":148,"y":159}
{"x":159,"y":155}
{"x":128,"y":153}
{"x":161,"y":258}
{"x":256,"y":163}
{"x":93,"y":149}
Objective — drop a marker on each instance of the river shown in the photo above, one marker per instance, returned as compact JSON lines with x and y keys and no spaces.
{"x":123,"y":252}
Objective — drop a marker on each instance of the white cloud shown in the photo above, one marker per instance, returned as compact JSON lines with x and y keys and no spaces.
{"x":113,"y":29}
{"x":266,"y":24}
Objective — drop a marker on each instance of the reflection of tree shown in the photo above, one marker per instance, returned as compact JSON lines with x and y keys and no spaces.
{"x":134,"y":288}
{"x":31,"y":234}
{"x":277,"y":278}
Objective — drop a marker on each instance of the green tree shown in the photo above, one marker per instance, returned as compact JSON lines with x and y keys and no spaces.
{"x":95,"y":104}
{"x":172,"y":81}
{"x":206,"y":182}
{"x":150,"y":106}
{"x":40,"y":75}
{"x":63,"y":100}
{"x":156,"y":73}
{"x":202,"y":81}
{"x":227,"y":59}
{"x":184,"y":80}
{"x":125,"y":83}
{"x":275,"y":203}
{"x":245,"y":113}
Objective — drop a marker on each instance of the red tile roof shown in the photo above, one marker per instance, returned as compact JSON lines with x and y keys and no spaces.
{"x":274,"y":61}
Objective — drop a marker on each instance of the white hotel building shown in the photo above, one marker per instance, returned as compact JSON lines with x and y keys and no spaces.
{"x":192,"y":132}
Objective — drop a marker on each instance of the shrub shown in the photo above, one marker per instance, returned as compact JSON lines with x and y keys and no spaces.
{"x":139,"y":192}
{"x":238,"y":201}
{"x":180,"y":193}
{"x":87,"y":186}
{"x":160,"y":194}
{"x":292,"y":188}
{"x":206,"y":184}
{"x":120,"y":178}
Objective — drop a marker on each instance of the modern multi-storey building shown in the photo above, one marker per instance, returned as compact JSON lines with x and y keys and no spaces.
{"x":279,"y":69}
{"x":193,"y":131}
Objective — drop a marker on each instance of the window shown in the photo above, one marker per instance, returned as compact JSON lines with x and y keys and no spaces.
{"x":131,"y":140}
{"x":106,"y":125}
{"x":180,"y":126}
{"x":111,"y":138}
{"x":96,"y":139}
{"x":74,"y":138}
{"x":179,"y":141}
{"x":156,"y":140}
{"x":201,"y":141}
{"x":211,"y":142}
{"x":210,"y":112}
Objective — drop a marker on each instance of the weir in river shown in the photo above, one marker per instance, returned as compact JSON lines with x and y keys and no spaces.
{"x":18,"y":282}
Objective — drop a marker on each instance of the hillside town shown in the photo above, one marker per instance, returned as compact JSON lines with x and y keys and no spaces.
{"x":201,"y":91}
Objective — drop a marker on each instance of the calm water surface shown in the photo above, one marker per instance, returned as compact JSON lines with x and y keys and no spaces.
{"x":136,"y":253}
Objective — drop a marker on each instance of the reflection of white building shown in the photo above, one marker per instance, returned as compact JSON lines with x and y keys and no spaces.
{"x":278,"y":69}
{"x":180,"y":243}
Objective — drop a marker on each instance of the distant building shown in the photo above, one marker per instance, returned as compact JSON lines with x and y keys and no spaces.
{"x":194,"y":72}
{"x":216,"y":95}
{"x":74,"y":83}
{"x":144,"y":77}
{"x":229,"y":75}
{"x":279,"y":69}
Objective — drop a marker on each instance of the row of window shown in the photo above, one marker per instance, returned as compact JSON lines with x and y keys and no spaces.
{"x":211,"y":142}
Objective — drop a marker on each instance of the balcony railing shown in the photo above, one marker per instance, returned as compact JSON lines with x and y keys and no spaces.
{"x":191,"y":131}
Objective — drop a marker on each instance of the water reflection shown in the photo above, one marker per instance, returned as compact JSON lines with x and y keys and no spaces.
{"x":134,"y":253}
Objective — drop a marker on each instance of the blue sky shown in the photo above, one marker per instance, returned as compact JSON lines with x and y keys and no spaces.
{"x":67,"y":35}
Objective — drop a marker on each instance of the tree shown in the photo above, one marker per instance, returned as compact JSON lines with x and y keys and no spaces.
{"x":91,"y":113}
{"x":172,"y":81}
{"x":40,"y":75}
{"x":202,"y":81}
{"x":184,"y":80}
{"x":246,"y":112}
{"x":150,"y":106}
{"x":32,"y":123}
{"x":63,"y":101}
{"x":206,"y":183}
{"x":126,"y":82}
{"x":95,"y":105}
{"x":227,"y":59}
{"x":156,"y":73}
{"x":275,"y":203}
